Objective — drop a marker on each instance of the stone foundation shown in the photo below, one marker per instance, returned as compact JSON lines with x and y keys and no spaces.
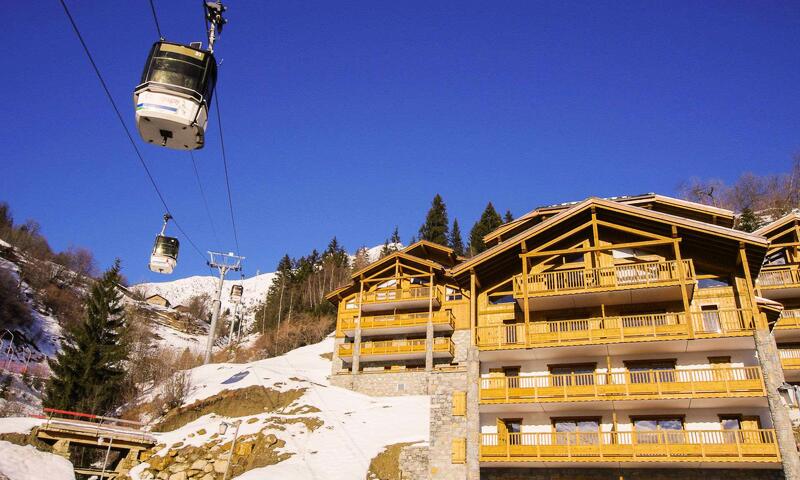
{"x":414,"y":463}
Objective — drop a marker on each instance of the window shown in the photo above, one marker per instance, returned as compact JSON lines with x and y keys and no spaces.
{"x":452,"y":294}
{"x":711,"y":319}
{"x":651,"y":371}
{"x":573,"y":258}
{"x":713,"y":282}
{"x":573,"y":374}
{"x":501,"y":299}
{"x":776,"y":258}
{"x":576,"y":431}
{"x":664,"y":429}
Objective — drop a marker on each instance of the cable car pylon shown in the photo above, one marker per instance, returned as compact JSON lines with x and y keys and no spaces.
{"x":224,"y":263}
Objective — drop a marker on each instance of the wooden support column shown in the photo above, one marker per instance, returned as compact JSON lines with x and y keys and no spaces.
{"x":525,"y":301}
{"x":357,"y":341}
{"x":429,"y":327}
{"x":473,"y":307}
{"x":595,"y":240}
{"x":751,"y":298}
{"x":682,"y":275}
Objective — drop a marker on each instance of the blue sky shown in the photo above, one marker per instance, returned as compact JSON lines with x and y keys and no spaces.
{"x":345,"y":118}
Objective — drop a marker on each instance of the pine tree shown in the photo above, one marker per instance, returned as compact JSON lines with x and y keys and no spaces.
{"x":435,"y":229}
{"x":361,"y":259}
{"x":395,"y":239}
{"x":747,"y":221}
{"x":88,"y":373}
{"x":456,"y":242}
{"x":508,"y":217}
{"x":488,"y":222}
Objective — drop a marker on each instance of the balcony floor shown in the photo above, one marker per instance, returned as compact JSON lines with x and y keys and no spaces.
{"x":659,"y":464}
{"x":617,"y":296}
{"x":401,"y":304}
{"x":371,"y":332}
{"x":609,"y":405}
{"x":396,"y":356}
{"x":744,"y":342}
{"x":780,"y":292}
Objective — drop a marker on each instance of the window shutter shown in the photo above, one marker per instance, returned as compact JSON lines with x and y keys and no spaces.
{"x":459,"y":403}
{"x":459,"y":450}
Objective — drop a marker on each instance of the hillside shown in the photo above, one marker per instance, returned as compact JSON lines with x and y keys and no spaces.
{"x":295,"y":424}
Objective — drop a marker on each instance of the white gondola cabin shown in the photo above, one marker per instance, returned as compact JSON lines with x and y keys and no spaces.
{"x":165,"y":254}
{"x":236,"y":293}
{"x":174,"y":96}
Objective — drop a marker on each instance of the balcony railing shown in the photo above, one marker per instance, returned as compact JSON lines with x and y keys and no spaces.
{"x":790,"y":358}
{"x":400,"y":320}
{"x":628,"y":328}
{"x":394,"y":347}
{"x":606,"y":278}
{"x":788,"y":276}
{"x":637,"y":385}
{"x":655,"y":446}
{"x":790,"y":319}
{"x":387,"y":295}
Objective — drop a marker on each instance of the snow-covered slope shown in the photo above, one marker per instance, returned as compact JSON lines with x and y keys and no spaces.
{"x":27,"y":463}
{"x":178,"y":292}
{"x":355,"y":427}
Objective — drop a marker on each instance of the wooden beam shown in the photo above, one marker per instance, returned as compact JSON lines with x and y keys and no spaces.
{"x":563,"y":236}
{"x":525,"y":300}
{"x":682,"y":275}
{"x":473,"y":310}
{"x":751,"y":297}
{"x":634,"y":231}
{"x":567,"y":251}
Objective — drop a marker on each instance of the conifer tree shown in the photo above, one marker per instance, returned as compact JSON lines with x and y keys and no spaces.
{"x":747,"y":221}
{"x":88,"y":373}
{"x":488,"y":222}
{"x":508,"y":217}
{"x":395,"y":239}
{"x":435,"y":229}
{"x":361,"y":258}
{"x":456,"y":242}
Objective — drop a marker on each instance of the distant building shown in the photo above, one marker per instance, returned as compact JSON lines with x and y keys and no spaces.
{"x":157,"y":300}
{"x":181,"y":308}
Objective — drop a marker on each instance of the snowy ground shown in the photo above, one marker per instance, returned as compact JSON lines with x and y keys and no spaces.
{"x":27,"y":463}
{"x":356,"y":427}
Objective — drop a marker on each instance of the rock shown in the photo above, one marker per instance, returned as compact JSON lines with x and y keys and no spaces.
{"x":178,"y":476}
{"x":208,"y":468}
{"x":207,"y":476}
{"x":220,"y":466}
{"x":178,"y":467}
{"x":198,"y":464}
{"x":162,"y":475}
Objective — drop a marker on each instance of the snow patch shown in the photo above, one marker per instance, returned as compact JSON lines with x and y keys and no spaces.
{"x":27,"y":463}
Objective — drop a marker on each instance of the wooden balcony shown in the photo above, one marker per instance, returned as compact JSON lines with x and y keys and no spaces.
{"x":397,"y":350}
{"x":620,"y":284}
{"x":643,"y":385}
{"x":724,"y":446}
{"x":400,"y":323}
{"x":790,"y":320}
{"x":779,"y":283}
{"x":620,"y":329}
{"x":790,"y":358}
{"x":395,"y":299}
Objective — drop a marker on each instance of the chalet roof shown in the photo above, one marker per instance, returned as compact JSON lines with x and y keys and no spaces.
{"x":423,"y":253}
{"x":637,"y":200}
{"x":769,"y":228}
{"x":513,"y":243}
{"x":156,"y":296}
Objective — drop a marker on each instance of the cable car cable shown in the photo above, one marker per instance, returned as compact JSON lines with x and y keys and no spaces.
{"x":205,"y":200}
{"x":155,"y":19}
{"x":225,"y":164}
{"x":125,"y":127}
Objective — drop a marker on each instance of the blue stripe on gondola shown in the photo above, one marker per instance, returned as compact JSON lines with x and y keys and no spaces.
{"x":153,"y":105}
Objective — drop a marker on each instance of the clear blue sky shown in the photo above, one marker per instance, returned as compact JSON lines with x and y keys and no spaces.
{"x":345,"y":118}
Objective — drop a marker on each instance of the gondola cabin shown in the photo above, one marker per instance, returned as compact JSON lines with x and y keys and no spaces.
{"x":236,"y":293}
{"x":174,"y":96}
{"x":165,"y":254}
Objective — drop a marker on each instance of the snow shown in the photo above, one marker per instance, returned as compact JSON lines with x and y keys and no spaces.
{"x":18,"y":424}
{"x":27,"y":463}
{"x":356,"y":427}
{"x":178,"y":292}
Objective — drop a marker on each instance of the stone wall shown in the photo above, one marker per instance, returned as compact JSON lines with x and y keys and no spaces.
{"x":445,"y":427}
{"x":414,"y":462}
{"x":627,"y":474}
{"x":461,"y":341}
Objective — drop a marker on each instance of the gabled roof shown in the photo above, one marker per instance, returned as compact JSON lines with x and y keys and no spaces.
{"x":414,"y":253}
{"x":650,"y":200}
{"x":783,"y":221}
{"x":695,"y":225}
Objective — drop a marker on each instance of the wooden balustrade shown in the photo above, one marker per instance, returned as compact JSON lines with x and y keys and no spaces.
{"x":604,"y":278}
{"x":628,"y":328}
{"x":402,"y":346}
{"x":779,"y":278}
{"x":387,"y":295}
{"x":627,"y":385}
{"x":790,"y":358}
{"x":790,"y":319}
{"x":399,"y":320}
{"x":636,"y":446}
